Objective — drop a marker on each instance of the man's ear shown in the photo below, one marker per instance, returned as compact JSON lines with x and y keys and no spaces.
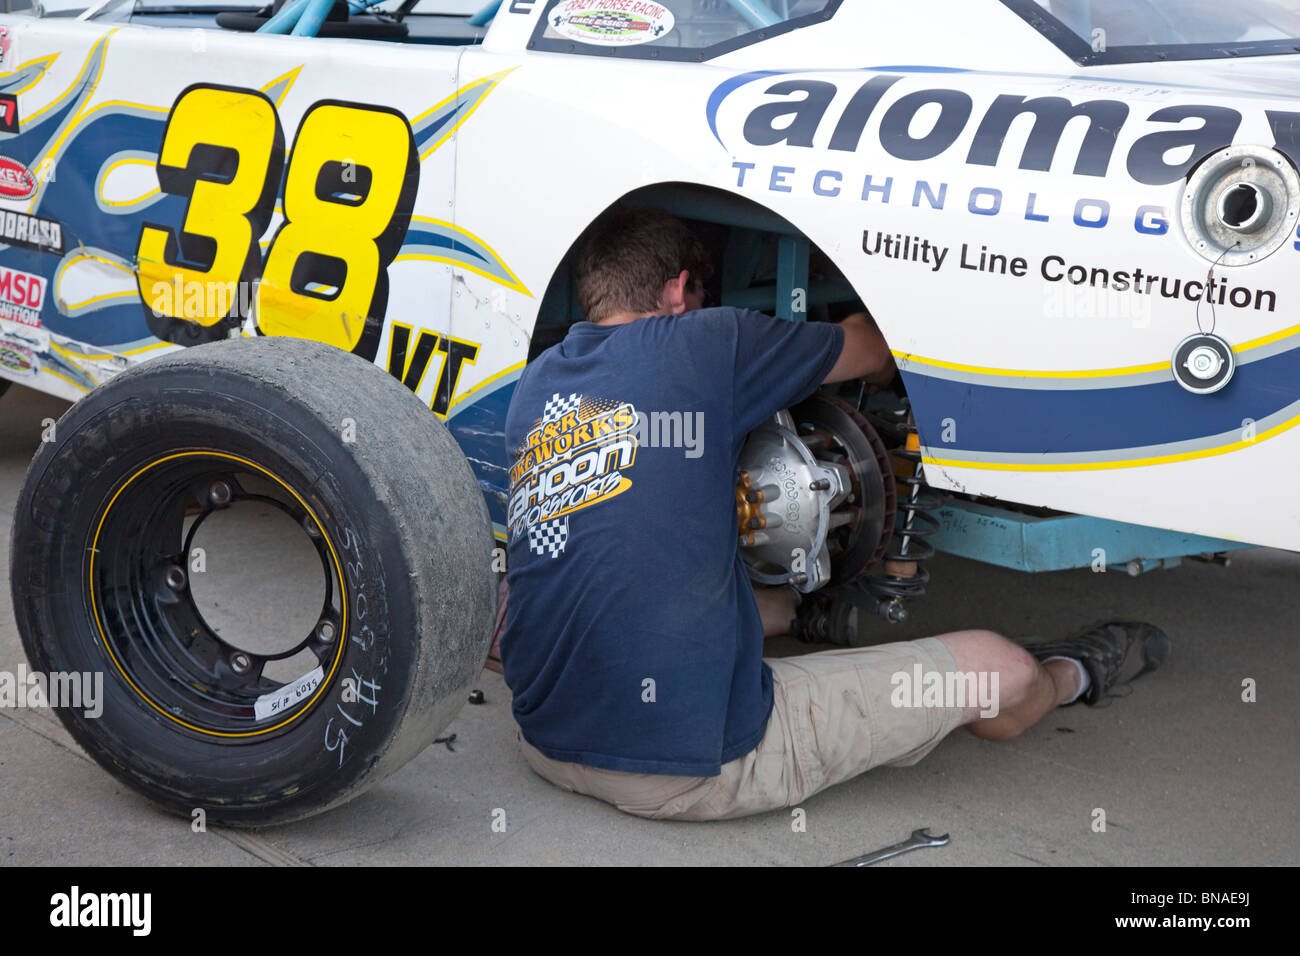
{"x":673,"y":297}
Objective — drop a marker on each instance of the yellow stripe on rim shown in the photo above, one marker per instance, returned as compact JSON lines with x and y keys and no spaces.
{"x":343,"y":597}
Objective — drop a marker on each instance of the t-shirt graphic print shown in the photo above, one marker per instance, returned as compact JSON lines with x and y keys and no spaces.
{"x":574,"y":457}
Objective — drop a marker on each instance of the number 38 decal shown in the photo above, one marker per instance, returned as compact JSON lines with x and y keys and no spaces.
{"x":348,"y":194}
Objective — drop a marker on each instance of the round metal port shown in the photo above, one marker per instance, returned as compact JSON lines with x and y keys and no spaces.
{"x":1244,"y":207}
{"x":1241,"y":205}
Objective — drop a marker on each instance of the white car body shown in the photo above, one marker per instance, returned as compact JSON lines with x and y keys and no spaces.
{"x":1026,"y":388}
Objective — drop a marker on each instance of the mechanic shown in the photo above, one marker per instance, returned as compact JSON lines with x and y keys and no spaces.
{"x":633,"y":639}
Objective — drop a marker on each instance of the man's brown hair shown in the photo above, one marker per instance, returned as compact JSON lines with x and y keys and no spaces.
{"x":626,"y":257}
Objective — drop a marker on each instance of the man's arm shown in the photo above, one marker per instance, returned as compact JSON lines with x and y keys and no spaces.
{"x":865,"y":354}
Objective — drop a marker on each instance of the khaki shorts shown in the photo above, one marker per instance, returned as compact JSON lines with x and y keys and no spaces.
{"x":831,"y":720}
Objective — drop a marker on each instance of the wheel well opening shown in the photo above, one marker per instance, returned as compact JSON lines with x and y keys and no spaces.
{"x":761,"y":261}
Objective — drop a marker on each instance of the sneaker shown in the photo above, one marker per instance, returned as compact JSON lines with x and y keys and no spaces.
{"x":1114,"y":653}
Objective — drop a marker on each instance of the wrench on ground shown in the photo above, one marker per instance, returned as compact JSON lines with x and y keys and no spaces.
{"x":919,"y":838}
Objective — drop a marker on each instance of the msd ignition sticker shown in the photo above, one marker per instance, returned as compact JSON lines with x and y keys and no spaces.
{"x":611,"y":22}
{"x":21,"y":297}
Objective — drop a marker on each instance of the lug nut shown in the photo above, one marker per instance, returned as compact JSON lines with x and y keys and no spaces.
{"x":241,"y":663}
{"x":476,"y":697}
{"x":325,"y":631}
{"x":821,"y":484}
{"x":175,"y":578}
{"x":219,"y":494}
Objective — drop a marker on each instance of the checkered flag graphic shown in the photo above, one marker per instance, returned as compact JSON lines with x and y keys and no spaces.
{"x":549,"y":537}
{"x":556,"y":407}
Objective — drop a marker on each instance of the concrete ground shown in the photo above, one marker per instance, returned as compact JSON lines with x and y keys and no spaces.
{"x":1186,"y":772}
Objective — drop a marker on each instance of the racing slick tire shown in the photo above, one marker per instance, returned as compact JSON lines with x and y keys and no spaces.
{"x":100,"y":551}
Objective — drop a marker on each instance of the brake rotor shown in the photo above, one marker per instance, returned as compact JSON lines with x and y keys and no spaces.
{"x":836,"y":431}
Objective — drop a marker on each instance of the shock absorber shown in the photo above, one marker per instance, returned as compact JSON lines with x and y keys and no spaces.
{"x":904,"y":577}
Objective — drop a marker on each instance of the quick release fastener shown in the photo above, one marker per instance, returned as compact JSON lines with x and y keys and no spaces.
{"x":1203,"y":363}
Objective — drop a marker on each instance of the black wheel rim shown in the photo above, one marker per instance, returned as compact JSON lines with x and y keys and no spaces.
{"x":150,"y":625}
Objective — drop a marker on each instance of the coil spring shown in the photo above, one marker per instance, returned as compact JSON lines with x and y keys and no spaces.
{"x":914,"y":524}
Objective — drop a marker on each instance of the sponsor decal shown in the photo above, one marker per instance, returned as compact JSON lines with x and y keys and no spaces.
{"x":21,"y":297}
{"x":17,"y":362}
{"x":8,"y":113}
{"x":832,"y":138}
{"x":31,"y":232}
{"x":611,"y":22}
{"x":933,"y":255}
{"x":6,"y":45}
{"x":16,"y":180}
{"x":805,"y":112}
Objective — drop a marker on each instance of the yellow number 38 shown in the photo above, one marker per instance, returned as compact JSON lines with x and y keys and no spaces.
{"x":348,"y":194}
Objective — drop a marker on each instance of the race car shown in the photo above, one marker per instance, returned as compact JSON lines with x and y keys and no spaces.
{"x":1075,"y":222}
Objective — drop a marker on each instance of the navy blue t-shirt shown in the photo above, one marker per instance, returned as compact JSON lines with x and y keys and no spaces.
{"x":632,"y":638}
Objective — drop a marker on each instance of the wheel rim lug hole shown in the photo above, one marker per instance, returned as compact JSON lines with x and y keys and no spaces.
{"x":241,"y":663}
{"x":326,"y":631}
{"x":219,"y":494}
{"x":176,"y":578}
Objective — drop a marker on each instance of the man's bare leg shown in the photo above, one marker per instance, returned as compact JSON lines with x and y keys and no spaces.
{"x":1027,"y":690}
{"x":777,"y":607}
